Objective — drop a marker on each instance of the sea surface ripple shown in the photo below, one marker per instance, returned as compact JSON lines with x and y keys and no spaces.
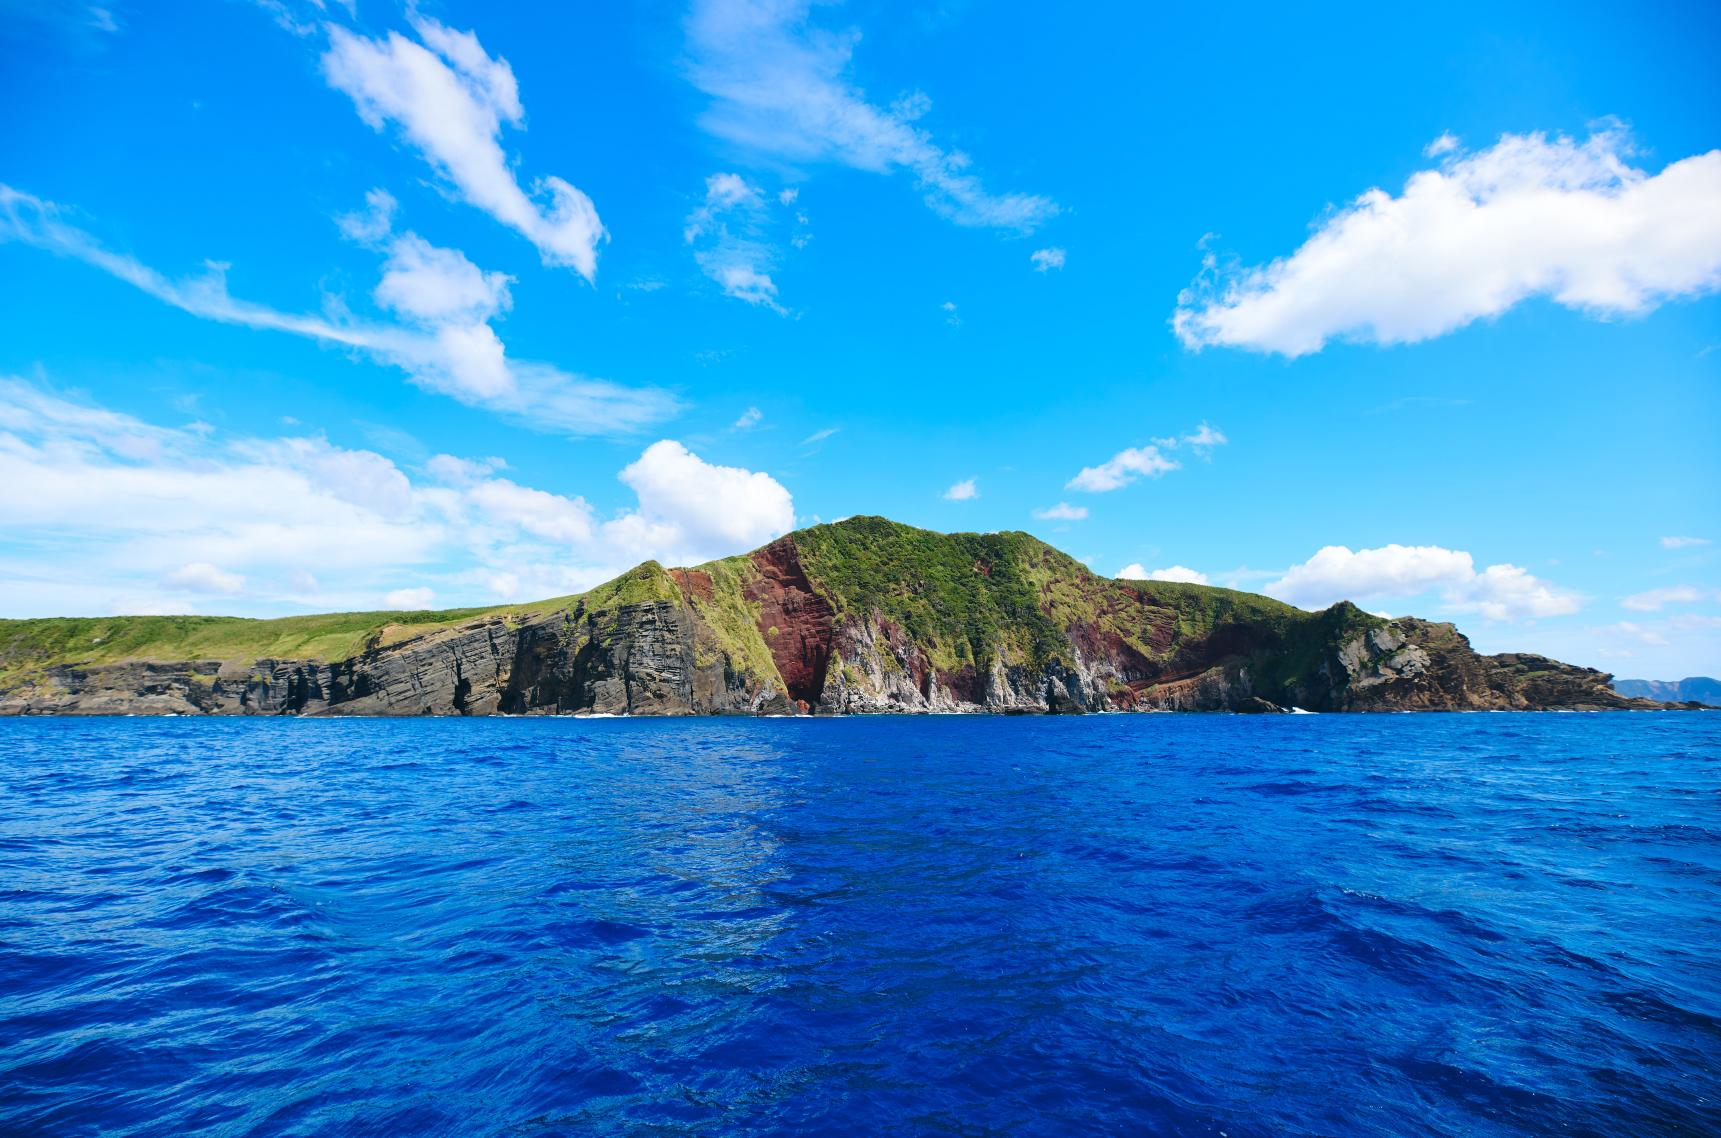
{"x":1469,"y":925}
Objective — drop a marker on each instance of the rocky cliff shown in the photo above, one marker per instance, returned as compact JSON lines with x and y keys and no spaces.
{"x":861,"y":616}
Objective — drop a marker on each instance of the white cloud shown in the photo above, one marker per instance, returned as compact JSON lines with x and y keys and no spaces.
{"x":1123,"y":468}
{"x":1507,"y":592}
{"x":432,"y":284}
{"x":1203,"y":439}
{"x":415,"y":598}
{"x":1683,"y":542}
{"x":1135,"y":571}
{"x":1178,"y":573}
{"x":749,"y":419}
{"x":1529,"y":216}
{"x":781,"y":87}
{"x":964,"y":491}
{"x":457,"y":354}
{"x":1654,"y":600}
{"x":726,"y":232}
{"x":103,"y":509}
{"x":450,"y":100}
{"x":202,"y":577}
{"x":692,"y":510}
{"x":1062,"y":512}
{"x":1636,"y":632}
{"x":371,"y":224}
{"x":819,"y":436}
{"x":1445,"y":144}
{"x":1499,"y":592}
{"x":503,"y":503}
{"x":1046,"y":260}
{"x":1148,"y":461}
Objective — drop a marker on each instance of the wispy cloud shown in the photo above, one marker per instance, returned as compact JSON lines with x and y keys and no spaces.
{"x":819,"y":436}
{"x":1062,"y":512}
{"x":726,"y":232}
{"x":443,"y":341}
{"x":1149,"y":461}
{"x":449,"y":99}
{"x":1683,"y":542}
{"x":781,"y":87}
{"x":1529,"y":216}
{"x":1654,"y":600}
{"x":964,"y":491}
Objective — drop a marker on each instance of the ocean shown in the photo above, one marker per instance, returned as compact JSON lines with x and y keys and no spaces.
{"x":1227,"y":926}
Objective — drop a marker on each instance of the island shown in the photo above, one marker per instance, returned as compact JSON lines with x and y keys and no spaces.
{"x":860,"y":616}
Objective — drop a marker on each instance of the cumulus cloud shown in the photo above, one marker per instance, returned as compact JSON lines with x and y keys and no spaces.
{"x":1683,"y":542}
{"x":443,"y":340}
{"x":964,"y":491}
{"x":1654,"y":600}
{"x":1045,"y":260}
{"x":1062,"y":512}
{"x":1530,"y":216}
{"x":1499,"y":592}
{"x":692,"y":510}
{"x":1135,"y":571}
{"x":726,"y":233}
{"x":449,"y":99}
{"x":781,"y":87}
{"x":104,"y":509}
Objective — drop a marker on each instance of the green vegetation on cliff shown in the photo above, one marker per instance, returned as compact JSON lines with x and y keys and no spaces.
{"x":960,"y":596}
{"x":731,"y":620}
{"x":27,"y":646}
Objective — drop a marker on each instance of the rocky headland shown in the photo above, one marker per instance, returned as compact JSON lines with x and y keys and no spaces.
{"x":862,"y":616}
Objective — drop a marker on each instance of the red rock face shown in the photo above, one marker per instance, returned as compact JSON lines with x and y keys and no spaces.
{"x":693,"y":582}
{"x":795,"y":621}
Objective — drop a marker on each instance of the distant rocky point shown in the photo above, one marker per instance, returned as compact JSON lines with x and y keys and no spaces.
{"x":862,"y":616}
{"x":1692,"y":689}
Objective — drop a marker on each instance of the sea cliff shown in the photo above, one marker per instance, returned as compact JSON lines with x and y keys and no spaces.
{"x":862,"y":616}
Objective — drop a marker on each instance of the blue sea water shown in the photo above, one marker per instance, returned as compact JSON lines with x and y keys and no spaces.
{"x":1226,"y":926}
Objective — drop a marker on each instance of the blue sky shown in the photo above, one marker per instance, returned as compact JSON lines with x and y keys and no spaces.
{"x":308,"y":307}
